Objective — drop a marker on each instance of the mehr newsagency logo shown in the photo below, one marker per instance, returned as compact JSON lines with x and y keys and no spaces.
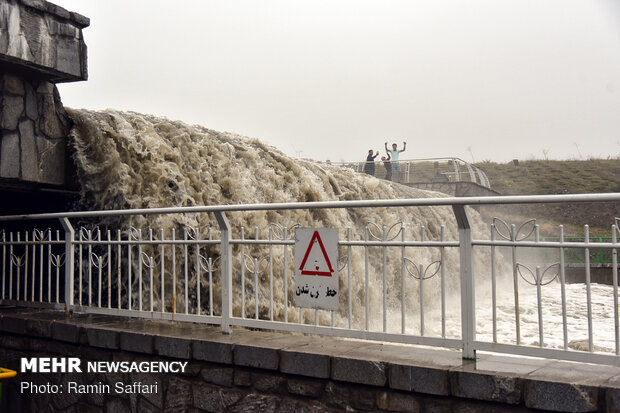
{"x":75,"y":365}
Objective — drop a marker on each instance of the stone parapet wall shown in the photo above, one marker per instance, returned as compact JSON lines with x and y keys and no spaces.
{"x":34,"y":127}
{"x":252,"y":371}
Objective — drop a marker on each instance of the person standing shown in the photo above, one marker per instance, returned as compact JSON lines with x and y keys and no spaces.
{"x":388,"y":166}
{"x":394,"y":154}
{"x":369,"y":167}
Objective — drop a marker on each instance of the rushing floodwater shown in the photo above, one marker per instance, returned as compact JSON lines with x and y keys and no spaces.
{"x":130,"y":160}
{"x":576,"y":311}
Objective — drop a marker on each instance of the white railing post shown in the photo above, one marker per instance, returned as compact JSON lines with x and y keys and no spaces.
{"x":69,"y":261}
{"x":407,"y":169}
{"x":457,"y":171}
{"x":468,"y":320}
{"x":226,"y":271}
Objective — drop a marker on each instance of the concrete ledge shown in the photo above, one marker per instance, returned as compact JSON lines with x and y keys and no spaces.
{"x":212,"y":351}
{"x":39,"y":328}
{"x":305,"y":364}
{"x":353,"y":374}
{"x":173,"y":347}
{"x":136,"y":342}
{"x":259,"y":357}
{"x":44,"y":6}
{"x":573,"y":388}
{"x":352,"y":370}
{"x":419,"y":379}
{"x":561,"y":396}
{"x":12,"y":324}
{"x":103,"y":337}
{"x":486,"y":386}
{"x":65,"y":332}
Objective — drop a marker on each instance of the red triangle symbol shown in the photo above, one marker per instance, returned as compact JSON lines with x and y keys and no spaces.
{"x":316,"y":237}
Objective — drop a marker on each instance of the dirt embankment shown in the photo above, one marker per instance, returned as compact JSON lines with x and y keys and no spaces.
{"x":538,"y":177}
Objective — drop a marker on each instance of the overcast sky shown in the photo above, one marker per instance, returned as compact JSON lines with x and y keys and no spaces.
{"x":329,"y":79}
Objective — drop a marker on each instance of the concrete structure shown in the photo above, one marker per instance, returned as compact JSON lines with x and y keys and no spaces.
{"x":599,"y":273}
{"x":41,"y":44}
{"x":279,"y":372}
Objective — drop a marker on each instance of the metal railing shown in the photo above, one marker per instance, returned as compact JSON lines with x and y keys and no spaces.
{"x":429,"y":170}
{"x":398,"y":284}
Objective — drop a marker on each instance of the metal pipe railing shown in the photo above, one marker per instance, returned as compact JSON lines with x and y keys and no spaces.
{"x":116,"y":275}
{"x":420,"y":202}
{"x":423,"y":170}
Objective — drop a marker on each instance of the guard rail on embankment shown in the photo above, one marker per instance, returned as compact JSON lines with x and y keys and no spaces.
{"x":427,"y":170}
{"x":123,"y":271}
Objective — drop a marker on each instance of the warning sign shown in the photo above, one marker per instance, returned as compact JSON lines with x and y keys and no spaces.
{"x":316,"y":272}
{"x":319,"y":263}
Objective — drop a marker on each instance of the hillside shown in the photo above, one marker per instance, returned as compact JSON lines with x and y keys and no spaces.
{"x":554,"y":177}
{"x":537,"y":177}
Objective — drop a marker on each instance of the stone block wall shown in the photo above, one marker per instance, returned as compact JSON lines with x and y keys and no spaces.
{"x":34,"y":128}
{"x":219,"y":377}
{"x":254,"y":371}
{"x":41,"y":44}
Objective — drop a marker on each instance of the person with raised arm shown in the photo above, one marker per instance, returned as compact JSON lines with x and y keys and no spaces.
{"x":394,"y":154}
{"x":369,"y":166}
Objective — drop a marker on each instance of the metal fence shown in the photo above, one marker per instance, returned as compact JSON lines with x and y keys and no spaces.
{"x":398,"y":284}
{"x":429,"y":170}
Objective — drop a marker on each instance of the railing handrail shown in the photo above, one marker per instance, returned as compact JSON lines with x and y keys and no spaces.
{"x":88,"y":273}
{"x":474,"y":173}
{"x":406,"y":160}
{"x":595,"y":238}
{"x":407,"y":202}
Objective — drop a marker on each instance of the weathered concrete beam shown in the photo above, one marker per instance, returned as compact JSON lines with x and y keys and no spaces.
{"x":41,"y":44}
{"x":42,"y":41}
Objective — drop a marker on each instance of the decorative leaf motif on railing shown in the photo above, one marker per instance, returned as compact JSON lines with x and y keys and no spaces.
{"x":617,"y":223}
{"x":521,"y":233}
{"x":278,"y":230}
{"x":256,"y":264}
{"x":193,"y":233}
{"x":208,"y":264}
{"x":87,"y":234}
{"x":57,"y":260}
{"x":98,"y":261}
{"x":384,"y":235}
{"x":149,"y":261}
{"x":538,"y":278}
{"x":134,"y":233}
{"x":18,"y":260}
{"x":41,"y":235}
{"x":420,"y":272}
{"x":342,"y":262}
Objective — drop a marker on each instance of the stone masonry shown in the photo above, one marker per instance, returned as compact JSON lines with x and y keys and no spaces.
{"x":42,"y":40}
{"x":254,"y":371}
{"x":34,"y":130}
{"x":41,"y":44}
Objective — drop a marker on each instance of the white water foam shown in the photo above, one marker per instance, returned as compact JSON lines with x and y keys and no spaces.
{"x":130,"y":160}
